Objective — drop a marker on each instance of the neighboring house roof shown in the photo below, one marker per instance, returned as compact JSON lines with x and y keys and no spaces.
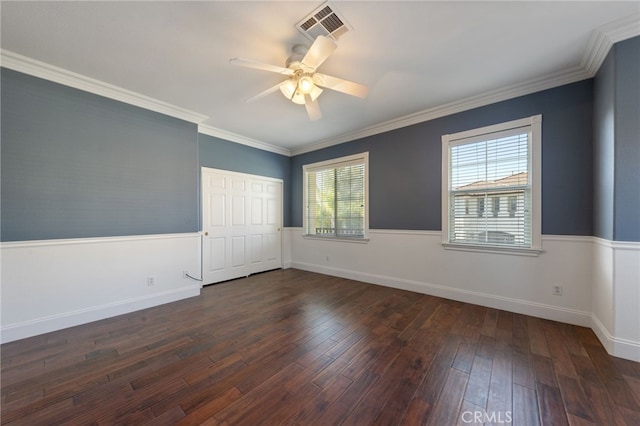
{"x":516,"y":179}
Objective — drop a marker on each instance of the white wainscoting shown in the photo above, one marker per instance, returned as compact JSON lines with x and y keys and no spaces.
{"x":53,"y":284}
{"x":616,"y":297}
{"x":416,"y":261}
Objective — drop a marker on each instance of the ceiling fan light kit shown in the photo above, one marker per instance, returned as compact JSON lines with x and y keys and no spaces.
{"x":296,"y":91}
{"x":304,"y":85}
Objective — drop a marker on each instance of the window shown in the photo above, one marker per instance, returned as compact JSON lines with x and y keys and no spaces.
{"x":480,"y":202}
{"x":335,"y":194}
{"x":496,"y":206}
{"x":513,"y":205}
{"x":491,"y":164}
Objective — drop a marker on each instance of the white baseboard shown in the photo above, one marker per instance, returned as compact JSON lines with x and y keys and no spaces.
{"x":555,"y":313}
{"x":82,"y":316}
{"x":615,"y":346}
{"x":599,"y":278}
{"x":53,"y":284}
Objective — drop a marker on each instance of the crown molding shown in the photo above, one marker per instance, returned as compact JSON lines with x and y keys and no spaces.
{"x":602,"y":39}
{"x":45,"y":71}
{"x":532,"y":86}
{"x":234,"y":137}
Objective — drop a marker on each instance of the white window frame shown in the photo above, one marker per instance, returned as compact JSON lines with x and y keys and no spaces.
{"x":534,"y":123}
{"x":330,"y":164}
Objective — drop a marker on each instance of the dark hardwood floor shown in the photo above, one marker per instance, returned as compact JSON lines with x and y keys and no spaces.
{"x":294,"y":347}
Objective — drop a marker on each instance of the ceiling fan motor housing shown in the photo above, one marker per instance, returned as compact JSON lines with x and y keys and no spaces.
{"x":297,"y":53}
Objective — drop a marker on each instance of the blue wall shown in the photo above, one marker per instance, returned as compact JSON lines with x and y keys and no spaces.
{"x":221,"y":154}
{"x":80,"y":165}
{"x":617,"y":144}
{"x":77,"y":165}
{"x":627,"y":146}
{"x":603,"y":146}
{"x":405,"y":164}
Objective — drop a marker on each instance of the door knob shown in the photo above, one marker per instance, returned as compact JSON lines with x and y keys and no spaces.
{"x":206,"y":234}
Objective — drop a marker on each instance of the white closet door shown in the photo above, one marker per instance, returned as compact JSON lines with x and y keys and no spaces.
{"x":241,"y":225}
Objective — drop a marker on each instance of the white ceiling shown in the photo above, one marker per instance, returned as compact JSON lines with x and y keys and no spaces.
{"x":417,"y":57}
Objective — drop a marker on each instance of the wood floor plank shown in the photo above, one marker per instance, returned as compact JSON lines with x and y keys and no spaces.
{"x":340,"y":409}
{"x":520,"y":335}
{"x":464,"y":357}
{"x":317,"y":406}
{"x":252,"y":407}
{"x":613,"y":380}
{"x":537,"y":339}
{"x":431,"y":386}
{"x":428,"y":305}
{"x":490,"y":323}
{"x":403,"y":366}
{"x":446,"y":411}
{"x":525,"y":406}
{"x":399,"y":401}
{"x":501,"y":385}
{"x":634,"y":385}
{"x":632,"y":417}
{"x":544,"y":370}
{"x":550,"y":405}
{"x":477,"y":391}
{"x":523,"y":370}
{"x":578,"y":421}
{"x":576,"y":402}
{"x":558,"y":351}
{"x":571,"y":340}
{"x":171,"y":417}
{"x":627,"y":367}
{"x":416,"y":412}
{"x":296,"y":347}
{"x":604,"y":408}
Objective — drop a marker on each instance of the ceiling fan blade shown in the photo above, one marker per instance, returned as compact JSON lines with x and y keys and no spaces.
{"x":313,"y":108}
{"x":265,"y":93}
{"x":249,"y":63}
{"x":340,"y":85}
{"x":319,"y":51}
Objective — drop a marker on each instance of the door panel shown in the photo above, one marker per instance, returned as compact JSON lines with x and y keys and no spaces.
{"x":217,"y":257}
{"x":256,"y":211}
{"x":237,"y":210}
{"x":238,"y":251}
{"x":241,"y":229}
{"x":256,"y":248}
{"x":272,"y":247}
{"x":273,"y":212}
{"x":217,"y":210}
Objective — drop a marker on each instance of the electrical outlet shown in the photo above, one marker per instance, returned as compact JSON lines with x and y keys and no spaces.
{"x":151,"y":281}
{"x":557,"y":290}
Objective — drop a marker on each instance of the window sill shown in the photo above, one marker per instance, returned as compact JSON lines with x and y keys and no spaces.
{"x":515,"y":251}
{"x":336,"y":239}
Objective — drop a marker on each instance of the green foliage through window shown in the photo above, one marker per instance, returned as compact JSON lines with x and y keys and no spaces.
{"x":336,"y":200}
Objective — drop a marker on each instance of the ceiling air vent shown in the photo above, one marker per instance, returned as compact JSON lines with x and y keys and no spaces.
{"x":326,"y":21}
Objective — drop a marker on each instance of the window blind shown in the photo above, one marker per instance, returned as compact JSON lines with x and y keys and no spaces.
{"x":336,"y":200}
{"x":490,"y":189}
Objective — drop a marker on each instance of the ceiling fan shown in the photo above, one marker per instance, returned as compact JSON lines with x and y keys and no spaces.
{"x":304,"y":84}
